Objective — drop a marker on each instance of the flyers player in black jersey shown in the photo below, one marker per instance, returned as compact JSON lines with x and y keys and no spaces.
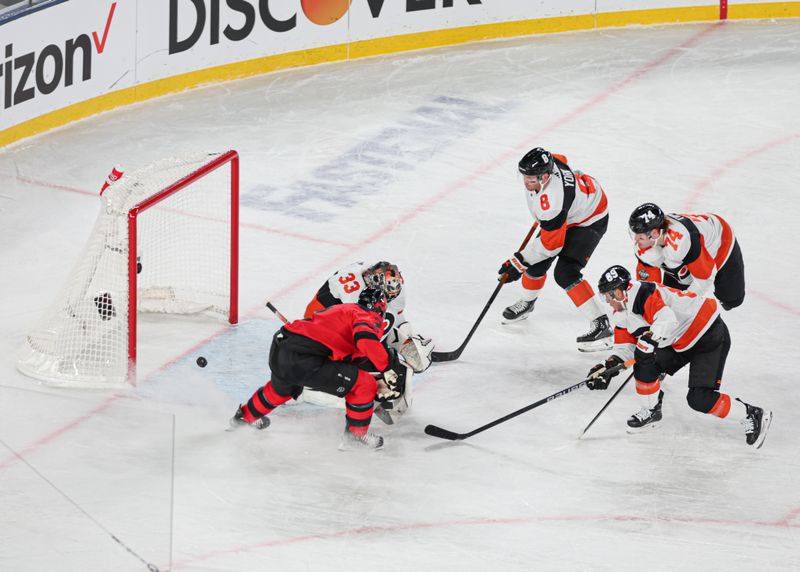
{"x":332,"y":351}
{"x":665,"y":329}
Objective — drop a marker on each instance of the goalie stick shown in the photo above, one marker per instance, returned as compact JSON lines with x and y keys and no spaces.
{"x":435,"y":431}
{"x":456,"y":353}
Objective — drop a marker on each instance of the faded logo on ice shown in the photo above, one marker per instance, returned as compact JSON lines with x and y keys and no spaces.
{"x":370,"y":165}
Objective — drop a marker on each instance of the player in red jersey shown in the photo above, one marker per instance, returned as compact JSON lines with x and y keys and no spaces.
{"x":665,"y":329}
{"x":332,"y":351}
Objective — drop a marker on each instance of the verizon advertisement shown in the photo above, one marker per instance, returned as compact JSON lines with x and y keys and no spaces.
{"x":68,"y":53}
{"x":81,"y":57}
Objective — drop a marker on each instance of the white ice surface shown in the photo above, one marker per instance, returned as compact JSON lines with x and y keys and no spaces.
{"x":412,"y":158}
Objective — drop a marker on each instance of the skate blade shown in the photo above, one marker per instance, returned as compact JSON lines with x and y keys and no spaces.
{"x":507,"y":321}
{"x":645,"y":429}
{"x":595,"y":346}
{"x":766,"y":421}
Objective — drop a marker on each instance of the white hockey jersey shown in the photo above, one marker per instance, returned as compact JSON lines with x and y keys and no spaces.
{"x":674,"y":317}
{"x":346,"y":285}
{"x":570,"y":199}
{"x":695,"y":249}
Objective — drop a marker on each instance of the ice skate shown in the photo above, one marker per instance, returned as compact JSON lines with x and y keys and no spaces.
{"x":518,"y":311}
{"x":756,"y":424}
{"x":352,"y":442}
{"x":238,"y":421}
{"x":646,"y":418}
{"x":599,"y":338}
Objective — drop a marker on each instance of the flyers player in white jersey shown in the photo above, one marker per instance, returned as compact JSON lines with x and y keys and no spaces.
{"x":694,"y":252}
{"x":572,"y":212}
{"x":665,"y":329}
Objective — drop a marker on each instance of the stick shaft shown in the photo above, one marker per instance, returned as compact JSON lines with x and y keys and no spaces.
{"x":456,"y":353}
{"x":275,"y":311}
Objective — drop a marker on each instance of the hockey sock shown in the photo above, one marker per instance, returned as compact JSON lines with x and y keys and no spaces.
{"x":359,"y":403}
{"x":582,"y":295}
{"x":648,"y":392}
{"x":263,"y":401}
{"x":532,"y":286}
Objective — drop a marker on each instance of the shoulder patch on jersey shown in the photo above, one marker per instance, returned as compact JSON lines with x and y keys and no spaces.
{"x":646,"y":289}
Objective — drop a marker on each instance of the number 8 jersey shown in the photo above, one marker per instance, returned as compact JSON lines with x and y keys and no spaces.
{"x":570,"y":199}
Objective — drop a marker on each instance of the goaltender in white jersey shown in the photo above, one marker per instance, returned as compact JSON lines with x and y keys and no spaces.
{"x":345,"y":286}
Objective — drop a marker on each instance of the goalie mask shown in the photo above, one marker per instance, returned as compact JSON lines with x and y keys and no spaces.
{"x":385,"y":276}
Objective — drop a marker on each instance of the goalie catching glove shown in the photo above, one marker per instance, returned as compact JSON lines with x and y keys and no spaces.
{"x":514,"y":267}
{"x":599,"y":377}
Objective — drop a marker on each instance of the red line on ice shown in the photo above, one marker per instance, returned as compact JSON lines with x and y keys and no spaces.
{"x":392,"y":530}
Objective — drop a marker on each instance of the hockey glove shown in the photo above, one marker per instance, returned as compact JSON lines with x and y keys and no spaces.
{"x":513,"y":267}
{"x":600,"y":377}
{"x":645,"y":352}
{"x":387,"y":387}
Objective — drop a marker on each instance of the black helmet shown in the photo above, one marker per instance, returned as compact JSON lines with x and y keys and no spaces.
{"x":645,"y":218}
{"x":373,"y":300}
{"x":613,"y":278}
{"x":536,"y":162}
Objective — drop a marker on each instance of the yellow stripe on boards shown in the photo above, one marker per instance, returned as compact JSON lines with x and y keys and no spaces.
{"x":381,"y":46}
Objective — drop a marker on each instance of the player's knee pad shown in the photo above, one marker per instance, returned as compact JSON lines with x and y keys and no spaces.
{"x":702,"y":399}
{"x":567,"y":272}
{"x":645,"y":371}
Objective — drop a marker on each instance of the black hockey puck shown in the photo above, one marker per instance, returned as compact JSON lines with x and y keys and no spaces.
{"x":202,"y":362}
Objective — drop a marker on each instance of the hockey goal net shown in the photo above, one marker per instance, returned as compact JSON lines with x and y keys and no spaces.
{"x":165,"y":240}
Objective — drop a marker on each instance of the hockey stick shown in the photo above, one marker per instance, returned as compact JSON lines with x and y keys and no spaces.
{"x":275,"y":311}
{"x":456,"y":353}
{"x":435,"y":431}
{"x":599,"y":413}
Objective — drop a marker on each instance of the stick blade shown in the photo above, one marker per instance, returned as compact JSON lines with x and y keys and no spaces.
{"x":435,"y":431}
{"x":444,"y":356}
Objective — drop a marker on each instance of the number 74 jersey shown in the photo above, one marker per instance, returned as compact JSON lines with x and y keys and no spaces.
{"x":696,"y":246}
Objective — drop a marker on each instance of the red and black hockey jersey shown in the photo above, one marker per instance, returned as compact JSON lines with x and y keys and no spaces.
{"x":348,"y":330}
{"x":674,"y":317}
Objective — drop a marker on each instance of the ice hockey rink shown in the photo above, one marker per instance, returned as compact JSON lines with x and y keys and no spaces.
{"x":412,"y":158}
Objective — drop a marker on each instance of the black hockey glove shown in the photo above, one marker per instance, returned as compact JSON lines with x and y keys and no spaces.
{"x":514,"y":267}
{"x":645,"y":352}
{"x":600,"y":377}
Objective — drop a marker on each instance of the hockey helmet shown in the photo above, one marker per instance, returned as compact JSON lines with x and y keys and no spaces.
{"x":645,"y":218}
{"x":387,"y":277}
{"x":613,"y":278}
{"x":373,"y":300}
{"x":536,"y":162}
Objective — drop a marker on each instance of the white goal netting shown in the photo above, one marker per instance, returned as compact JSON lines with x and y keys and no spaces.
{"x":166,"y":239}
